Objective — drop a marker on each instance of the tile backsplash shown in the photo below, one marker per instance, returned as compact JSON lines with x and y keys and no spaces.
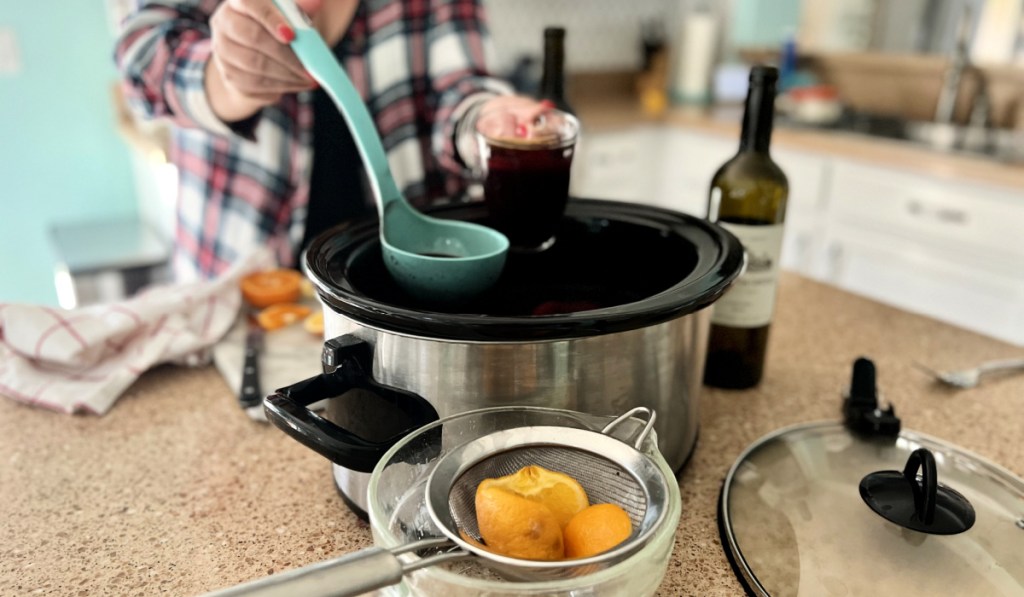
{"x":601,"y":35}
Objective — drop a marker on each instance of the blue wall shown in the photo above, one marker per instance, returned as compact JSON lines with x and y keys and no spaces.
{"x":60,"y":156}
{"x":764,"y":23}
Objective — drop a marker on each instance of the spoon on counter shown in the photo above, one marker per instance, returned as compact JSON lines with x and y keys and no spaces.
{"x":441,"y":261}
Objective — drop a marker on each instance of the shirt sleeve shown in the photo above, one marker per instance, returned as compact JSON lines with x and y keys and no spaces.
{"x":459,"y":49}
{"x":162,"y":52}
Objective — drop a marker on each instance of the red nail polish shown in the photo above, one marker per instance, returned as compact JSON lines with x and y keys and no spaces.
{"x":547,"y":104}
{"x":286,"y":33}
{"x":520,"y":130}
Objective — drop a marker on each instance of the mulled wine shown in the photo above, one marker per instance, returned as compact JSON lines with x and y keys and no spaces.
{"x":526,"y":180}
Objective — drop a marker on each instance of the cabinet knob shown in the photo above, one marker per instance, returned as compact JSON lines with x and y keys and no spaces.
{"x":947,"y":215}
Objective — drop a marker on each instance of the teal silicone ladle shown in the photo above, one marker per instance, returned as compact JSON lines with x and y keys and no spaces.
{"x":440,"y":261}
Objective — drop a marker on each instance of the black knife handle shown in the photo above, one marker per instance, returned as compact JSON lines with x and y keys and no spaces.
{"x":250,"y":395}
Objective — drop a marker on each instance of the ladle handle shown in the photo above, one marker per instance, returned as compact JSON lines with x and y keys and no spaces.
{"x":349,"y":575}
{"x":318,"y":59}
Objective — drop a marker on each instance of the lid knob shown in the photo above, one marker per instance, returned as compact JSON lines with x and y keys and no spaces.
{"x":920,"y":505}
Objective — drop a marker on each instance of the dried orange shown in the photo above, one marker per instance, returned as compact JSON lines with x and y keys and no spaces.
{"x":271,"y":287}
{"x":278,"y":316}
{"x":516,"y":526}
{"x":314,"y":324}
{"x":562,"y":494}
{"x":596,"y":529}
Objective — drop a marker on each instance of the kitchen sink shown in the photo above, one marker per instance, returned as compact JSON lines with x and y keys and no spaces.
{"x":998,"y":144}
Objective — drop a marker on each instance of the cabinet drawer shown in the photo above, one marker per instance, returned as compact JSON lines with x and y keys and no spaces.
{"x":976,"y":217}
{"x":807,"y":177}
{"x":978,"y":295}
{"x":800,"y":244}
{"x":616,"y":165}
{"x":688,"y":164}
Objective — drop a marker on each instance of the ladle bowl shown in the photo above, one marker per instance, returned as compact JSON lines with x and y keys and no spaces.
{"x":441,"y":261}
{"x":437,"y":260}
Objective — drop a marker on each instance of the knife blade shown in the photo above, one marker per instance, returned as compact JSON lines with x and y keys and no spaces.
{"x":250,"y":393}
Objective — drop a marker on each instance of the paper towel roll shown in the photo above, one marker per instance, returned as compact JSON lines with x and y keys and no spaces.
{"x":692,"y":77}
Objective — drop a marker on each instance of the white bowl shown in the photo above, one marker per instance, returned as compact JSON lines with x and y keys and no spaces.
{"x":398,"y":515}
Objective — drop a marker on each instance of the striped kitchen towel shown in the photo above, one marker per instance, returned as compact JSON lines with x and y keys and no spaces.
{"x":82,"y":360}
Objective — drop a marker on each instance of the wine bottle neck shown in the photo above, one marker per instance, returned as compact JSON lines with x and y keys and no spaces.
{"x":756,"y":135}
{"x":552,"y":83}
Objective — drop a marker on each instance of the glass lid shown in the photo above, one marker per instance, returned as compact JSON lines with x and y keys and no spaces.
{"x":826,"y":509}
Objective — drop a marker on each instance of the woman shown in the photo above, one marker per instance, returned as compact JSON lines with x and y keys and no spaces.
{"x":264,"y":157}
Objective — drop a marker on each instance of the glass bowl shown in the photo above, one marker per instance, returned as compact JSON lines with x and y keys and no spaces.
{"x":398,"y":514}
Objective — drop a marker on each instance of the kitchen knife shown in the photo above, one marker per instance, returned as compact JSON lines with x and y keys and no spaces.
{"x":249,"y":393}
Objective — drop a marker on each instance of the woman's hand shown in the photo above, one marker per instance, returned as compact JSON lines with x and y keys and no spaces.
{"x":510,"y":115}
{"x":251,"y":65}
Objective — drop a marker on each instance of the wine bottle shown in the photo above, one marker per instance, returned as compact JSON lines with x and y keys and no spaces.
{"x":552,"y":81}
{"x":748,"y":198}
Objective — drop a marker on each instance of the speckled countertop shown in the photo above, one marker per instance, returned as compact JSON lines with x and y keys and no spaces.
{"x":176,"y":492}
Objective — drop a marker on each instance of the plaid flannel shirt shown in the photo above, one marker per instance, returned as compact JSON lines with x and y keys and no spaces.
{"x":418,"y":64}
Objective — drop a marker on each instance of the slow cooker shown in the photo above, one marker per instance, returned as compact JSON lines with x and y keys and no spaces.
{"x":614,"y":315}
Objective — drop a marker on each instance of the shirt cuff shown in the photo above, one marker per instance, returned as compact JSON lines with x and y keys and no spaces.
{"x":467,"y":150}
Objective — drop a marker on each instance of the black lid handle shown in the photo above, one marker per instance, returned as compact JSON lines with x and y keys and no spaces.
{"x":925,"y":491}
{"x":924,"y":505}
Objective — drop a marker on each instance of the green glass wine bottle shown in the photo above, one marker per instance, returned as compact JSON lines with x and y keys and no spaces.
{"x":552,"y":82}
{"x":748,"y":198}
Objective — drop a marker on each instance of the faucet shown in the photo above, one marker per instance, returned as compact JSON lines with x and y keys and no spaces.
{"x":960,"y":64}
{"x":945,"y":108}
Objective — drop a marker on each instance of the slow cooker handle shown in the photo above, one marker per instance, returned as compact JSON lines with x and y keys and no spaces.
{"x":347,"y":366}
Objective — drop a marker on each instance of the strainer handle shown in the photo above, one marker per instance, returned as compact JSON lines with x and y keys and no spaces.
{"x":353,"y":574}
{"x":638,"y":411}
{"x":347,"y":576}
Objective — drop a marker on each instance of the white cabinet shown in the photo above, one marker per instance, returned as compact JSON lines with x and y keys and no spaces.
{"x":688,"y":163}
{"x":619,"y":165}
{"x":808,"y":177}
{"x":952,"y":251}
{"x":940,"y":282}
{"x":976,"y":218}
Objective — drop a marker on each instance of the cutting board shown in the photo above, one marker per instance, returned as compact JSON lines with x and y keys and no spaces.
{"x":290,"y":354}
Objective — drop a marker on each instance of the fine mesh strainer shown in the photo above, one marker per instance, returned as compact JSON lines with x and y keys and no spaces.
{"x":610,"y":470}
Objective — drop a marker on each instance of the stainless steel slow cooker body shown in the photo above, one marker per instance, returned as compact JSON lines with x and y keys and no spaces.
{"x":616,"y":315}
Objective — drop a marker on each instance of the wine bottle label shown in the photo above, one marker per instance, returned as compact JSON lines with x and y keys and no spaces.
{"x":751,"y":300}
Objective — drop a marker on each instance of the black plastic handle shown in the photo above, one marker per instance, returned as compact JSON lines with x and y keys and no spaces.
{"x":926,"y":490}
{"x":347,"y":366}
{"x":861,"y":412}
{"x":250,"y":393}
{"x":926,"y":506}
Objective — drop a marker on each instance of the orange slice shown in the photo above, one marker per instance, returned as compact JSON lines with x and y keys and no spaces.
{"x":278,"y":316}
{"x":272,"y":287}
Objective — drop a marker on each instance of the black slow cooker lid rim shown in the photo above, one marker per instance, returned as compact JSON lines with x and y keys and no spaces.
{"x":509,"y":330}
{"x":711,"y":276}
{"x":656,"y":309}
